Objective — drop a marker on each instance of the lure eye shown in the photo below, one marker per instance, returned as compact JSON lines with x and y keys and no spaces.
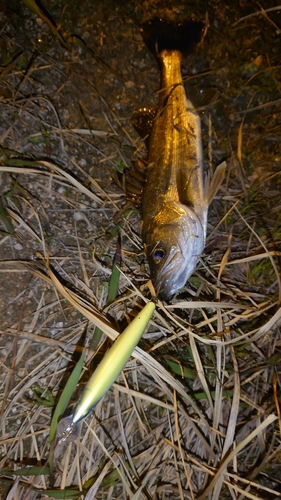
{"x":158,"y":255}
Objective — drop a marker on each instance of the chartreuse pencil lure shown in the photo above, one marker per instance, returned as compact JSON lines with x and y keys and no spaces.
{"x":113,"y":363}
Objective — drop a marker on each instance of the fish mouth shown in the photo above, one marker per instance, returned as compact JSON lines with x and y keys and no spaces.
{"x":175,"y":272}
{"x":170,"y":278}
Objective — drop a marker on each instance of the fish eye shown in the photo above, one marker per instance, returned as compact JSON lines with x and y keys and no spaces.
{"x":158,"y":255}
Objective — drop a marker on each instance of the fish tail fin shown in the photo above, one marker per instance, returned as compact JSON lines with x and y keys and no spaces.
{"x":160,"y":35}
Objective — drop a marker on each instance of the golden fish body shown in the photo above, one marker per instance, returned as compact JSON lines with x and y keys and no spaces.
{"x":174,"y":205}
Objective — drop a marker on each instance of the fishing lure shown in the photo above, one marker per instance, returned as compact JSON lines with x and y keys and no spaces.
{"x":113,"y":363}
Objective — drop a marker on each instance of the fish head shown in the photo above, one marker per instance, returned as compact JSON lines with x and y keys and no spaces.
{"x":173,"y":250}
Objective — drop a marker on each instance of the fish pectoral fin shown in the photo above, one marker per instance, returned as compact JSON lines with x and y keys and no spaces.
{"x":135,"y":177}
{"x":201,"y":98}
{"x":216,"y":181}
{"x":142,"y":121}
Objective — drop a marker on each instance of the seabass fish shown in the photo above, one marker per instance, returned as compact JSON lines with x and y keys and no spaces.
{"x":174,"y":200}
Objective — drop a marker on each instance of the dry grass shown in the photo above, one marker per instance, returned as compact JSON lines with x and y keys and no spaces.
{"x":196,"y":412}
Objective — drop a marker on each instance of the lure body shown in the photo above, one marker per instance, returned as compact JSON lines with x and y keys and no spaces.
{"x":113,"y":362}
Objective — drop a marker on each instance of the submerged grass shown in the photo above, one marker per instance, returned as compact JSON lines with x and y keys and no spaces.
{"x":196,"y":411}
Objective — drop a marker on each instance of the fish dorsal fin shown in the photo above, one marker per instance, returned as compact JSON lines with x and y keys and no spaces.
{"x":215,"y":182}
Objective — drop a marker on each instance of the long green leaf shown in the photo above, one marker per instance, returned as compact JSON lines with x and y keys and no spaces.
{"x":179,"y":369}
{"x":115,"y":275}
{"x":27,"y":471}
{"x":5,"y":218}
{"x":111,"y":479}
{"x":112,"y":291}
{"x":62,"y":494}
{"x":66,"y":395}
